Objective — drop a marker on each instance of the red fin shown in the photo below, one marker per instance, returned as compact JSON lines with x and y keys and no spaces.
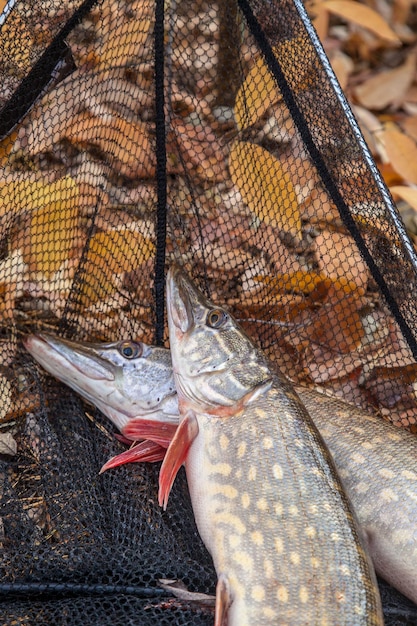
{"x":159,"y":432}
{"x":144,"y":451}
{"x":223,"y":601}
{"x":176,"y":454}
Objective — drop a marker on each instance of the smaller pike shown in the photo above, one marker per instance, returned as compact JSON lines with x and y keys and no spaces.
{"x":377,"y":461}
{"x":124,"y":380}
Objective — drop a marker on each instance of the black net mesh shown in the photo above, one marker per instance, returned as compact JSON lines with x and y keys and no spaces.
{"x":136,"y":134}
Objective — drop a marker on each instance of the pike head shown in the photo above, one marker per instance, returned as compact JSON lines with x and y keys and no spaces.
{"x":216,"y":366}
{"x":217,"y":369}
{"x":125,"y":380}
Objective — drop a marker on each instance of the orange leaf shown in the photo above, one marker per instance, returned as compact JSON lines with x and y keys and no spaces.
{"x":15,"y":43}
{"x":124,"y":42}
{"x":338,"y":323}
{"x":339,"y":259}
{"x":402,"y":152}
{"x":362,"y":15}
{"x":265,"y":187}
{"x":126,"y":145}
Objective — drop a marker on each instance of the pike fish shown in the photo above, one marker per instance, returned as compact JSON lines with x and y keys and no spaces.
{"x":267,"y":500}
{"x":376,"y":460}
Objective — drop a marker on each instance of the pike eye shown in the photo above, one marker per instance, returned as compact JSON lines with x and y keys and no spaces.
{"x":130,"y":349}
{"x":216,"y":318}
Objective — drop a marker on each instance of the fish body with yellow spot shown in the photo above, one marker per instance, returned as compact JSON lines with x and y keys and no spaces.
{"x":267,"y":501}
{"x":377,"y":463}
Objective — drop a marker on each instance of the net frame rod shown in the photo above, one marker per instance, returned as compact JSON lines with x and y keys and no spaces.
{"x":326,"y":176}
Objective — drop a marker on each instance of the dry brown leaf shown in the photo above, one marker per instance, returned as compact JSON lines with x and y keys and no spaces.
{"x":410,"y":126}
{"x":111,"y":254}
{"x":343,"y":67}
{"x":199,"y":151}
{"x":48,"y":123}
{"x":401,"y":151}
{"x":8,"y":444}
{"x":362,"y":15}
{"x":321,"y":20}
{"x":257,"y":93}
{"x":265,"y":187}
{"x":338,"y":323}
{"x":406,"y":193}
{"x":388,"y":87}
{"x":125,"y":145}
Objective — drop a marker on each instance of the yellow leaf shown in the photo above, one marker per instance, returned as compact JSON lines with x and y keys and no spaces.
{"x":265,"y":187}
{"x":15,"y":43}
{"x":362,"y":15}
{"x":18,"y":194}
{"x":53,"y":230}
{"x":402,"y":152}
{"x":124,"y":43}
{"x":110,"y":254}
{"x":257,"y":93}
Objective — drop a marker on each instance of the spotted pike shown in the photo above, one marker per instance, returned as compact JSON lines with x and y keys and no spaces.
{"x":375,"y":459}
{"x":267,"y":501}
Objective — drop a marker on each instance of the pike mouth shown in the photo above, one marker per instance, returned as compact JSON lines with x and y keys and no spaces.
{"x":178,"y":299}
{"x":58,"y":355}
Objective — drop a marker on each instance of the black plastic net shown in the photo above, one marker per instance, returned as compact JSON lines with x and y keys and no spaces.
{"x":137,"y":134}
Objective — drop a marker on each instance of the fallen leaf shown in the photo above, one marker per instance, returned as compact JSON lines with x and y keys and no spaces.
{"x":338,"y":324}
{"x":19,"y":194}
{"x":401,"y":151}
{"x":265,"y":187}
{"x":8,"y":444}
{"x":80,"y":92}
{"x":408,"y":194}
{"x":257,"y":93}
{"x":339,"y":258}
{"x":123,"y":43}
{"x":109,"y":255}
{"x":410,"y":126}
{"x":388,"y":87}
{"x":195,"y":148}
{"x":362,"y":15}
{"x":343,"y":67}
{"x":53,"y":232}
{"x":15,"y":43}
{"x":126,"y":146}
